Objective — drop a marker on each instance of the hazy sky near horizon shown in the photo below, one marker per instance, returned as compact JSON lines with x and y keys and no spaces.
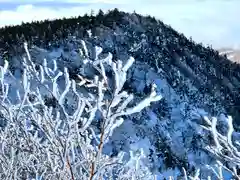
{"x":214,"y":22}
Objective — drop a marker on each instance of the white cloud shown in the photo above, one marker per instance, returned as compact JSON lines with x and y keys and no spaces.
{"x":66,"y":1}
{"x":211,"y":22}
{"x":26,"y":13}
{"x":29,"y":12}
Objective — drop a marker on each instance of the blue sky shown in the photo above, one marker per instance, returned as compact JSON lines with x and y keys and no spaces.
{"x":213,"y":22}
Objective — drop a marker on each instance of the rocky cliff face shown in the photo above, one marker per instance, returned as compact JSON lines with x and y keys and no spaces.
{"x":191,"y":78}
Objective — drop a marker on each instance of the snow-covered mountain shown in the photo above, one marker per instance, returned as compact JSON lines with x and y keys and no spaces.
{"x":194,"y":81}
{"x":232,"y":54}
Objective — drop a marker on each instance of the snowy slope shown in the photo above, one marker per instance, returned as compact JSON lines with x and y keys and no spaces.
{"x":166,"y":132}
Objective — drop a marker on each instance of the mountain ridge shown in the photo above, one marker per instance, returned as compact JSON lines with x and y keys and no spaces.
{"x":174,"y":46}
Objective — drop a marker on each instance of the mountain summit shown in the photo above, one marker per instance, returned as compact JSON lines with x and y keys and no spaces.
{"x":194,"y":80}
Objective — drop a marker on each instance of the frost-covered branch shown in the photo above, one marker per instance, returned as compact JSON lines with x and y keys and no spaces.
{"x":224,"y":149}
{"x":44,"y":137}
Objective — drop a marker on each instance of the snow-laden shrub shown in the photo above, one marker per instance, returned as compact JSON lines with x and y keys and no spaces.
{"x":221,"y":143}
{"x":225,"y":148}
{"x":47,"y":132}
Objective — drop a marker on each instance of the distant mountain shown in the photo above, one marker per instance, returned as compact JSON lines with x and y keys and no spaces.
{"x":232,"y":54}
{"x":189,"y":76}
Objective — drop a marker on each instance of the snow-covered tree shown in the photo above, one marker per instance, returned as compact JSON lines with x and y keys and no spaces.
{"x":225,"y":148}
